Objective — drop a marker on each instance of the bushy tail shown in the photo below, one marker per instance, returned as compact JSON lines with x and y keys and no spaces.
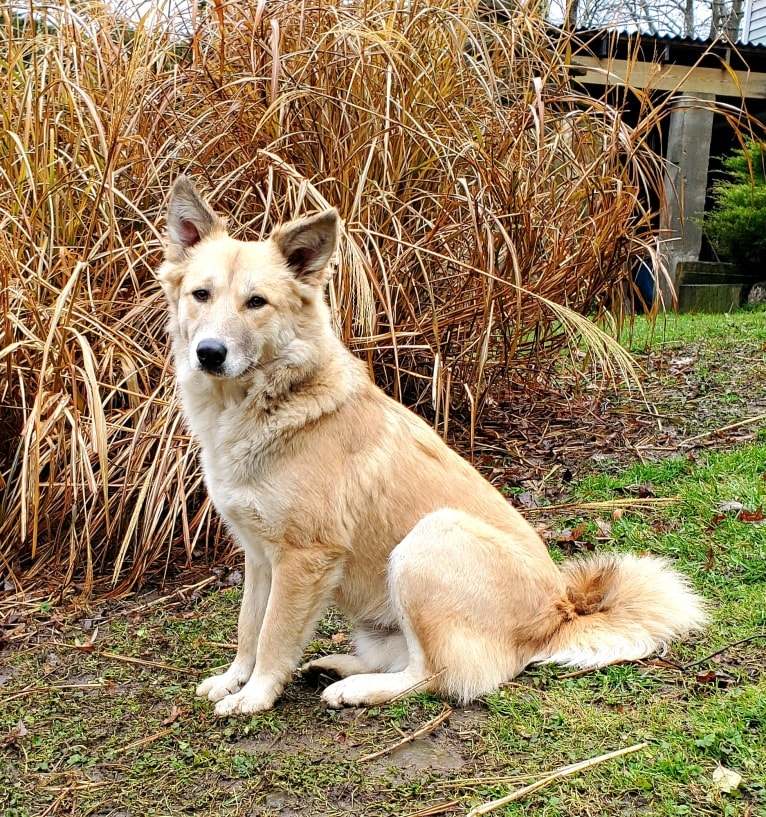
{"x":626,"y":607}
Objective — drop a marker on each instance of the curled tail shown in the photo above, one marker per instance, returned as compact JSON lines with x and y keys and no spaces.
{"x":624,"y":607}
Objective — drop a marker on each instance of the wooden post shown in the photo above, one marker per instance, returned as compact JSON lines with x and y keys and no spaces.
{"x":686,"y":166}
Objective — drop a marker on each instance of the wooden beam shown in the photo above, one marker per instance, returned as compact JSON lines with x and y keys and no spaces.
{"x":667,"y":77}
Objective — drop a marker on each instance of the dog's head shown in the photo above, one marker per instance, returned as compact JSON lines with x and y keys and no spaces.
{"x":238,"y":305}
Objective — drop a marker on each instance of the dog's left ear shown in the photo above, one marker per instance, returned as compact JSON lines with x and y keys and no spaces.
{"x":308,"y":245}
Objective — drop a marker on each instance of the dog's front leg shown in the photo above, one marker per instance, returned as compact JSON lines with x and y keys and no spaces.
{"x":255,"y":595}
{"x":301,"y":584}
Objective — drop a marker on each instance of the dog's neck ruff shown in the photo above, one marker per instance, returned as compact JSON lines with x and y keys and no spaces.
{"x":277,"y":399}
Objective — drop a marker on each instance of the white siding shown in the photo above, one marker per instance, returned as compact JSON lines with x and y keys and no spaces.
{"x":754,"y":29}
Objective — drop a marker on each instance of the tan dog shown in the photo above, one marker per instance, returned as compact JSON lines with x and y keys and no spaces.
{"x":339,"y":495}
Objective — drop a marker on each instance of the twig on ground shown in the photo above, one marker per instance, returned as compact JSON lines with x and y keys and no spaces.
{"x":426,"y":729}
{"x":53,"y":807}
{"x":437,"y":808}
{"x":20,"y":693}
{"x":143,"y":741}
{"x":627,"y":502}
{"x":702,"y":660}
{"x":585,"y":671}
{"x":179,"y":595}
{"x":415,"y":687}
{"x":131,"y":660}
{"x":156,"y":664}
{"x":485,"y":808}
{"x":722,"y":429}
{"x":78,"y":785}
{"x":222,"y":644}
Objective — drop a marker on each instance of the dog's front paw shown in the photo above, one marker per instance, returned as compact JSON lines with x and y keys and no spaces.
{"x":217,"y":687}
{"x":245,"y":702}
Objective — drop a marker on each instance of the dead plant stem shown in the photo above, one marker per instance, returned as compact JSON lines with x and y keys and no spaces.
{"x":426,"y":729}
{"x":485,"y":808}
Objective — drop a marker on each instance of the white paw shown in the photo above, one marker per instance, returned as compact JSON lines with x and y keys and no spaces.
{"x":245,"y":703}
{"x":220,"y":686}
{"x":343,"y":693}
{"x":339,"y":664}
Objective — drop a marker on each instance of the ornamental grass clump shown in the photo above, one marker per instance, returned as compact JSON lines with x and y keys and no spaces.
{"x":491,"y":211}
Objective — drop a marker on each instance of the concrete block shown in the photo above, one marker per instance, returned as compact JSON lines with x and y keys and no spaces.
{"x":709,"y":297}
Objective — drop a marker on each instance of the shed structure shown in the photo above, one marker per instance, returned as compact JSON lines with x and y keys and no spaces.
{"x":693,"y":72}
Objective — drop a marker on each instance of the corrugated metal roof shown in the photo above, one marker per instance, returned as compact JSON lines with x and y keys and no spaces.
{"x":677,"y":39}
{"x":669,"y":48}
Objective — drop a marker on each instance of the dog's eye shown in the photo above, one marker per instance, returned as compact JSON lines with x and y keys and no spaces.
{"x":201,"y":295}
{"x":256,"y":302}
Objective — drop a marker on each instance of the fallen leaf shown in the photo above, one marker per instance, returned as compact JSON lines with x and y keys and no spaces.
{"x":234,"y":579}
{"x":11,"y":740}
{"x":727,"y":780}
{"x":339,"y":638}
{"x":681,"y":364}
{"x":88,"y":644}
{"x":571,"y":534}
{"x":604,"y":528}
{"x":715,"y":522}
{"x":710,"y":559}
{"x":722,"y":680}
{"x":730,"y":507}
{"x":644,"y":491}
{"x":527,"y":500}
{"x":175,"y":714}
{"x":755,"y":517}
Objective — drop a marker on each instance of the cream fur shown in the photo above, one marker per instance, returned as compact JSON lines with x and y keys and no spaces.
{"x":339,"y":495}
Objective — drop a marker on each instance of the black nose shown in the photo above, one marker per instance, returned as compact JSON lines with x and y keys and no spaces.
{"x":211,"y":354}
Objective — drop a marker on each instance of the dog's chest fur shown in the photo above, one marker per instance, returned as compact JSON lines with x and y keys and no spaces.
{"x":253,"y":467}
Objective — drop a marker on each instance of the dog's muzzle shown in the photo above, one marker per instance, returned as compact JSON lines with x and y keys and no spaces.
{"x":211,"y":354}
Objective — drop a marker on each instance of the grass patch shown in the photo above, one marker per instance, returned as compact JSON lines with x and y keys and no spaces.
{"x":84,"y":730}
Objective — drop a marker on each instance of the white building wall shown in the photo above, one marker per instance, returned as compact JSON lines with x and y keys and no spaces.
{"x":754,"y":28}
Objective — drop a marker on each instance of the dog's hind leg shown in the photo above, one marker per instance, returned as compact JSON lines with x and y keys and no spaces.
{"x":255,"y":595}
{"x":369,"y":689}
{"x":397,"y":656}
{"x":467,"y":597}
{"x":378,"y":649}
{"x":339,"y":664}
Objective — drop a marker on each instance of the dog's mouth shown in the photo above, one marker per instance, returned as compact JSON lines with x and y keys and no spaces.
{"x":218,"y":372}
{"x":223,"y":372}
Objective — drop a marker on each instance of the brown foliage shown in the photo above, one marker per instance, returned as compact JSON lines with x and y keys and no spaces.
{"x":487,"y":207}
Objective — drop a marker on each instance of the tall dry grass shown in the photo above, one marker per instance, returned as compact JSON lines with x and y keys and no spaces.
{"x":487,"y":206}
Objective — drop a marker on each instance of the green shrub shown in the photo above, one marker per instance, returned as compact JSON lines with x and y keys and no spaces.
{"x":736,"y":226}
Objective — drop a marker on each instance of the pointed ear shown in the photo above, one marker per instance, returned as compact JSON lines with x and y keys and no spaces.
{"x":307,"y":245}
{"x":190,"y":218}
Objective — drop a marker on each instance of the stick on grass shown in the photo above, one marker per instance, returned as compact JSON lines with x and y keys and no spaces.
{"x":426,"y":729}
{"x":565,"y":771}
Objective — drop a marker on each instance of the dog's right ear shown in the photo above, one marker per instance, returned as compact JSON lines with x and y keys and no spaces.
{"x":190,"y":219}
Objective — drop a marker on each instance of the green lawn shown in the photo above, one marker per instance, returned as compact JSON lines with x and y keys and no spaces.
{"x":84,"y":731}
